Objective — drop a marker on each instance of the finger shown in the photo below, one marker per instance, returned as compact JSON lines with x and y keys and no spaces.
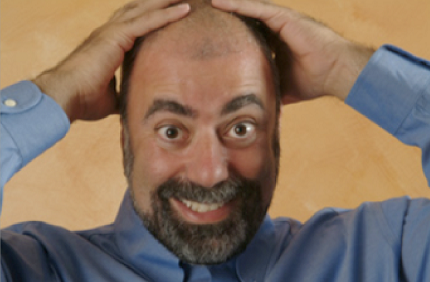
{"x":150,"y":21}
{"x":159,"y":4}
{"x":273,"y":16}
{"x":123,"y":10}
{"x":137,"y":7}
{"x":123,"y":33}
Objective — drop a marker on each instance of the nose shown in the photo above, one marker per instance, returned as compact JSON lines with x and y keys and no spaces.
{"x":208,"y":164}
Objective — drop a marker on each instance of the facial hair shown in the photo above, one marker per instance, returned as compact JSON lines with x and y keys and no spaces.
{"x":208,"y":243}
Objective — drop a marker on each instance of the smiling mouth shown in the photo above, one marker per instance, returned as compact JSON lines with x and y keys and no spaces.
{"x":202,"y":213}
{"x":201,"y":207}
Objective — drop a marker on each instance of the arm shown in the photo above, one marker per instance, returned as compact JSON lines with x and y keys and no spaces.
{"x":314,"y":61}
{"x":83,"y":84}
{"x":393,"y":90}
{"x":80,"y":87}
{"x":30,"y":123}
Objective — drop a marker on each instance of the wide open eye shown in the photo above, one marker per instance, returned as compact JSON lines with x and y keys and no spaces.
{"x":170,"y":133}
{"x":242,"y":130}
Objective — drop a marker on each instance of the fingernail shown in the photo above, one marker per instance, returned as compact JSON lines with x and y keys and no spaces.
{"x":184,"y":6}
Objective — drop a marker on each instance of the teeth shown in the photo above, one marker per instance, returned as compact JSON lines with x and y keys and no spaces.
{"x":199,"y":207}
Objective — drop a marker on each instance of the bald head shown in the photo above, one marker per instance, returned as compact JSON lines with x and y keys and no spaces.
{"x":204,"y":34}
{"x":201,"y":123}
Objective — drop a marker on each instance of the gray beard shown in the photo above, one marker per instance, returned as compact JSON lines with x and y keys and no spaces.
{"x":201,"y":244}
{"x":210,"y":243}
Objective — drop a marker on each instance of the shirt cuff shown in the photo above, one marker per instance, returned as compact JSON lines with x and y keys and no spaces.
{"x":389,"y":87}
{"x":33,"y":120}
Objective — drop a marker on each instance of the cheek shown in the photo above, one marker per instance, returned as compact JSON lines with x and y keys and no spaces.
{"x":247,"y":163}
{"x":152,"y":167}
{"x":258,"y":163}
{"x":250,"y":162}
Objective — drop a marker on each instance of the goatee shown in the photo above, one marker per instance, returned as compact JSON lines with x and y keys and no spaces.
{"x":205,"y":243}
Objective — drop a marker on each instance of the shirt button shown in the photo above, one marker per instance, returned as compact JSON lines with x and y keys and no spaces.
{"x":9,"y":103}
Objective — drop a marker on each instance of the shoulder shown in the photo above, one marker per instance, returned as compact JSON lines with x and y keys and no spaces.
{"x":51,"y":238}
{"x":382,"y":220}
{"x":336,"y":239}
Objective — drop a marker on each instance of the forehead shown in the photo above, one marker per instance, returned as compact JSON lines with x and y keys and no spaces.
{"x":200,"y":66}
{"x":215,"y":79}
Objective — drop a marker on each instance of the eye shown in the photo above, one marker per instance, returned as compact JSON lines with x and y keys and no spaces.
{"x":242,"y":130}
{"x":170,"y":133}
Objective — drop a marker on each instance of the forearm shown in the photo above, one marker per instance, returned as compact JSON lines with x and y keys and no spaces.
{"x":394,"y":91}
{"x":31,"y":122}
{"x":347,"y":69}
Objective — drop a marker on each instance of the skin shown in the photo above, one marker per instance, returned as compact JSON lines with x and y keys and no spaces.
{"x":312,"y":59}
{"x":206,"y":150}
{"x":86,"y":91}
{"x":317,"y":62}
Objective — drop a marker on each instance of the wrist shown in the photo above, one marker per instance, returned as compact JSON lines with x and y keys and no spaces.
{"x":347,"y":68}
{"x":51,"y":84}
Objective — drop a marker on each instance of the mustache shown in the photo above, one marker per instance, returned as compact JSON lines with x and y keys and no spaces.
{"x":224,"y":191}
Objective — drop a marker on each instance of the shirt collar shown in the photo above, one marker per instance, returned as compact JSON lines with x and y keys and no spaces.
{"x":141,"y":250}
{"x":253,"y":264}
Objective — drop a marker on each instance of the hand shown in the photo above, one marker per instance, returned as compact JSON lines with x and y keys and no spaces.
{"x":84,"y":83}
{"x":312,"y":59}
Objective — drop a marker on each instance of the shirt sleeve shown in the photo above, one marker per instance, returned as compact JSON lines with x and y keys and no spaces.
{"x":30,"y":123}
{"x":393,"y":90}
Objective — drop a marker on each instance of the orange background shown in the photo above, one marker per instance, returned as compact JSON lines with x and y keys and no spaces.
{"x":332,"y":156}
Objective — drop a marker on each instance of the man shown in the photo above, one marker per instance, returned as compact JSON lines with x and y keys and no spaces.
{"x":200,"y":152}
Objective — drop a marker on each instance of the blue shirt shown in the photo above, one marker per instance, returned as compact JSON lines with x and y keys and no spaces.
{"x":382,"y":242}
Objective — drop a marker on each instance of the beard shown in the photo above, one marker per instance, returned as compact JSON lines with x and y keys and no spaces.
{"x":208,"y":243}
{"x":205,"y":243}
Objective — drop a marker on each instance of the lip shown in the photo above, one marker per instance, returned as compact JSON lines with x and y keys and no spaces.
{"x":209,"y":217}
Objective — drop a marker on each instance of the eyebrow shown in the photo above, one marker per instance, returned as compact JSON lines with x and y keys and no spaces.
{"x":240,"y":102}
{"x":170,"y":106}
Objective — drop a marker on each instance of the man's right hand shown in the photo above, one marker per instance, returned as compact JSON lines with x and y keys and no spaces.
{"x":84,"y":83}
{"x":312,"y":59}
